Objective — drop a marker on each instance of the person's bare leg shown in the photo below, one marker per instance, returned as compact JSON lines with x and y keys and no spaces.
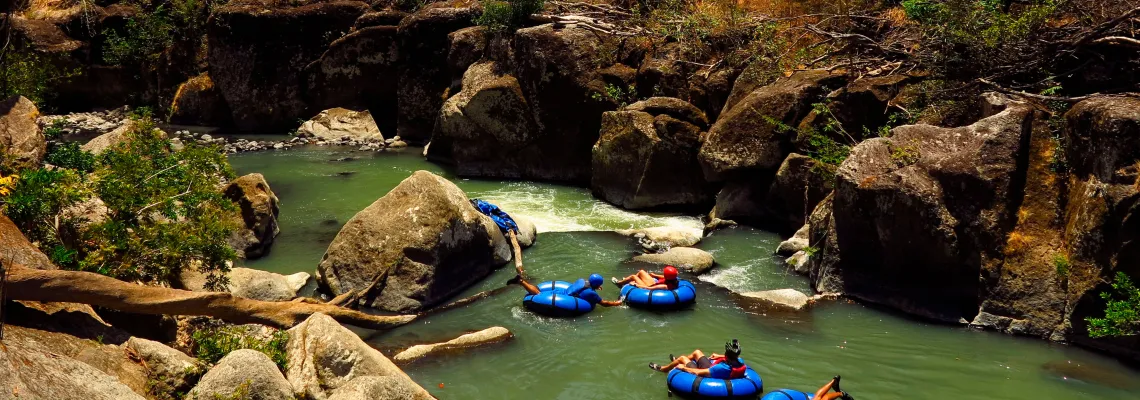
{"x":626,"y":280}
{"x":528,"y":286}
{"x":829,"y":396}
{"x":819,"y":394}
{"x":682,"y":360}
{"x":642,"y":279}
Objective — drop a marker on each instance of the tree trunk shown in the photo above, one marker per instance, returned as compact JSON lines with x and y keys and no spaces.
{"x":89,"y":288}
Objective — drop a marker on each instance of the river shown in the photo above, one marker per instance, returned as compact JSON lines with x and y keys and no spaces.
{"x":881,"y":355}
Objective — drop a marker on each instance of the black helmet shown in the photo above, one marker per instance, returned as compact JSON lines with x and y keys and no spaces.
{"x":732,"y":350}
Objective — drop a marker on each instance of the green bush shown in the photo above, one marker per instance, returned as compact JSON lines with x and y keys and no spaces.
{"x":166,"y":212}
{"x":212,"y":344}
{"x":1061,"y":264}
{"x":1121,"y":312}
{"x":31,"y":75}
{"x":69,"y":155}
{"x":155,"y":29}
{"x":38,"y":198}
{"x":506,"y":16}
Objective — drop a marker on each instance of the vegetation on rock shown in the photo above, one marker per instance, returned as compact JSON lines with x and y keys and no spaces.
{"x":1122,"y":310}
{"x":509,"y":15}
{"x":213,"y":344}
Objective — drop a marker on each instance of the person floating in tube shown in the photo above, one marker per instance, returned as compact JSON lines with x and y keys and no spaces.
{"x":717,"y":366}
{"x":582,"y":289}
{"x":666,"y":280}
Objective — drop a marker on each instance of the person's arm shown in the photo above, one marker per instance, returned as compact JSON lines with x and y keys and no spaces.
{"x":695,"y":371}
{"x":658,"y":276}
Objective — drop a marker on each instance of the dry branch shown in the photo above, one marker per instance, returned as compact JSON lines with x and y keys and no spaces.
{"x":89,"y":288}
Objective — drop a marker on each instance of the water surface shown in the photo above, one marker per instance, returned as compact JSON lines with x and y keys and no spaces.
{"x":603,"y":355}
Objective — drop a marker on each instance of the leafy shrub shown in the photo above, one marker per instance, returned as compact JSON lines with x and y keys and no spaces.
{"x":166,"y":212}
{"x":1122,"y":311}
{"x":212,"y":344}
{"x":37,"y":199}
{"x":69,"y":155}
{"x":155,"y":29}
{"x":617,"y":94}
{"x":1061,"y":264}
{"x":905,"y":155}
{"x":31,"y":75}
{"x":55,"y":130}
{"x":509,"y":15}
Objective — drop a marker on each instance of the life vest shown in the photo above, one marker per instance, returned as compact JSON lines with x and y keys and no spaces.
{"x":577,"y":287}
{"x":671,"y":285}
{"x":737,"y":371}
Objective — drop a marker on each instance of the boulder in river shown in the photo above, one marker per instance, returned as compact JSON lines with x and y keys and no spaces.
{"x":247,"y":374}
{"x":484,"y":337}
{"x":695,"y":261}
{"x":21,"y":141}
{"x":789,"y":299}
{"x":256,"y":284}
{"x":259,"y":210}
{"x":782,"y":201}
{"x":113,"y":138}
{"x":358,"y":71}
{"x":646,"y":156}
{"x":377,"y":388}
{"x":325,"y":357}
{"x":664,"y":237}
{"x":338,"y":123}
{"x":797,"y":242}
{"x":413,"y":248}
{"x":528,"y":233}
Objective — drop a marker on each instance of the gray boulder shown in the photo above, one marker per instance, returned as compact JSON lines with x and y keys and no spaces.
{"x":173,"y":368}
{"x":796,"y":243}
{"x":660,"y":238}
{"x":326,"y":358}
{"x":15,"y":247}
{"x":110,"y":139}
{"x":484,"y":337}
{"x":36,"y":364}
{"x":259,"y":210}
{"x":789,"y":299}
{"x":424,"y":238}
{"x":246,"y":374}
{"x":646,"y":156}
{"x":528,"y":233}
{"x":256,"y":284}
{"x":20,"y":136}
{"x":377,"y":388}
{"x":338,"y":123}
{"x":695,"y":261}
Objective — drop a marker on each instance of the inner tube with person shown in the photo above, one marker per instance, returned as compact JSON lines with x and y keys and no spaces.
{"x":552,"y":301}
{"x":787,"y":394}
{"x":683,"y":296}
{"x":691,"y":386}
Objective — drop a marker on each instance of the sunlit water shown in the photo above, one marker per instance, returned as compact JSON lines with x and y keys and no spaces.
{"x":604,"y":354}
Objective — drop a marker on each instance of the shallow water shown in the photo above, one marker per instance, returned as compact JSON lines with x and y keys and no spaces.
{"x":603,"y":355}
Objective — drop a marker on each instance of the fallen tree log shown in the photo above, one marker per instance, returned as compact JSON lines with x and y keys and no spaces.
{"x":89,"y":288}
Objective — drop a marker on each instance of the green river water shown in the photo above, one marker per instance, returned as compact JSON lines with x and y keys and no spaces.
{"x":603,"y":355}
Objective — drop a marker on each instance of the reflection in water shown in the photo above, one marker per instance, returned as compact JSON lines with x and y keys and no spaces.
{"x":603,"y":355}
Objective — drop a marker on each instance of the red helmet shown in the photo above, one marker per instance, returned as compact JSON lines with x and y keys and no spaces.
{"x":670,"y":273}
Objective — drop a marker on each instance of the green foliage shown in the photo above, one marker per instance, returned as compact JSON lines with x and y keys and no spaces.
{"x":1121,"y":312}
{"x":212,"y":344}
{"x":509,"y":15}
{"x":905,"y":155}
{"x":617,"y":94}
{"x":166,"y":212}
{"x":811,"y":251}
{"x":155,"y":29}
{"x":69,"y":155}
{"x":1061,"y":264}
{"x":38,"y":198}
{"x":55,"y":130}
{"x":32,"y":75}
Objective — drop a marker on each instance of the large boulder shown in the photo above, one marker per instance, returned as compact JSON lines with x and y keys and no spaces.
{"x":246,"y":374}
{"x":258,"y":50}
{"x":424,"y":238}
{"x":484,"y":337}
{"x":22,"y":144}
{"x":1103,"y":138}
{"x":783,"y":299}
{"x":110,"y":139}
{"x":377,"y":388}
{"x":798,"y":242}
{"x":916,"y":215}
{"x":337,"y":123}
{"x":664,"y":237}
{"x":198,"y":102}
{"x":259,"y":210}
{"x":15,"y":247}
{"x":358,"y":71}
{"x":756,"y":133}
{"x":646,"y":156}
{"x":172,"y":368}
{"x":326,"y":358}
{"x":693,"y":260}
{"x":48,"y":365}
{"x":423,"y":76}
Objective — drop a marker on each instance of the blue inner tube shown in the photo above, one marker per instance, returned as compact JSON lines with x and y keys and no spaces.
{"x":694,"y":387}
{"x":683,"y":296}
{"x":787,"y":394}
{"x":553,"y":301}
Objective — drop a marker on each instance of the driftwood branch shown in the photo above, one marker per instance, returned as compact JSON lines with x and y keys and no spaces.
{"x":89,"y":288}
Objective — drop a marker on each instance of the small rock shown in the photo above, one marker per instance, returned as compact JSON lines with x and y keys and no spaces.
{"x":376,"y":388}
{"x":278,"y":146}
{"x":207,"y":137}
{"x":398,"y":144}
{"x":664,"y":237}
{"x":797,"y":242}
{"x":695,"y":261}
{"x":528,"y":233}
{"x":486,"y":336}
{"x":782,"y":298}
{"x":246,"y":370}
{"x":798,"y":262}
